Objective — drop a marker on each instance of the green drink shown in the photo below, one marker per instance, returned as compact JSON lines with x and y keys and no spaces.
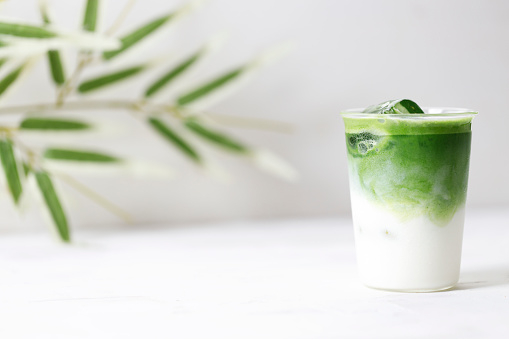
{"x":408,"y":183}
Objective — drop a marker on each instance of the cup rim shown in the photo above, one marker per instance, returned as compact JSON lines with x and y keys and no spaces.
{"x":430,"y":113}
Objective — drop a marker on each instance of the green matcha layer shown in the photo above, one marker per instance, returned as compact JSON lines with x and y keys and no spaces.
{"x":412,"y":165}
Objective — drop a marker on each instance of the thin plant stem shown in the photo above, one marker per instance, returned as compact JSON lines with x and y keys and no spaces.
{"x":250,"y":123}
{"x":35,"y":160}
{"x":120,"y":18}
{"x":84,"y":59}
{"x":149,"y":108}
{"x":71,"y":105}
{"x":94,"y":196}
{"x":32,"y":156}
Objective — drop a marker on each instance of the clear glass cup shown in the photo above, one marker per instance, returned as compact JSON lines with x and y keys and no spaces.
{"x":408,"y":183}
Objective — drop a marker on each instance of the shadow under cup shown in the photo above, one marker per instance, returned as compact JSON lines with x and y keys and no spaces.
{"x":408,"y":183}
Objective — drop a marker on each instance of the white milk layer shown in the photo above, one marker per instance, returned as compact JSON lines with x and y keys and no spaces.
{"x":405,"y":255}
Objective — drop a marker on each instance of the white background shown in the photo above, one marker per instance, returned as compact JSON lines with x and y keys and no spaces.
{"x":349,"y":54}
{"x":271,"y":279}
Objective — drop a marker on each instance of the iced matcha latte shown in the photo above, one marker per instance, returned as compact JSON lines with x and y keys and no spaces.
{"x":408,"y":173}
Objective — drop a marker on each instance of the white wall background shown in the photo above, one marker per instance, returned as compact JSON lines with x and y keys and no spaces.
{"x":349,"y":54}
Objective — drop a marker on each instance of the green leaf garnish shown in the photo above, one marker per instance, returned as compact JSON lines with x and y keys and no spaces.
{"x":402,"y":106}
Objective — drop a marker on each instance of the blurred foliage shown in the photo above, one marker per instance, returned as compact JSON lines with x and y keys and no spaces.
{"x":22,"y":45}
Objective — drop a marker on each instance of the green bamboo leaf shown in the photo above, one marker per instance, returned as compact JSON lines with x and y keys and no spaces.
{"x":10,"y":166}
{"x":9,"y":79}
{"x":25,"y":31}
{"x":209,"y":87}
{"x":44,"y":12}
{"x":2,"y":60}
{"x":56,"y":67}
{"x":137,"y":35}
{"x":170,"y":135}
{"x":172,"y":74}
{"x":55,"y":62}
{"x":215,"y":137}
{"x":79,"y":155}
{"x":90,"y":18}
{"x":26,"y":168}
{"x":45,"y":16}
{"x":52,"y":124}
{"x":109,"y":79}
{"x":53,"y":203}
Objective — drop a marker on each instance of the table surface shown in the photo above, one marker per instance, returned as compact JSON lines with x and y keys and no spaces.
{"x":242,"y":280}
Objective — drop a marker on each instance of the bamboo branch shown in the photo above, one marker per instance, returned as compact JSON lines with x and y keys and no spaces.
{"x":149,"y":108}
{"x":35,"y":159}
{"x":94,"y":196}
{"x":120,"y":18}
{"x":72,"y":105}
{"x":84,"y":59}
{"x":251,"y":123}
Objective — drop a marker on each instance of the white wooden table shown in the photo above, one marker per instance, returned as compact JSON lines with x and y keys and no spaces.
{"x":242,"y":280}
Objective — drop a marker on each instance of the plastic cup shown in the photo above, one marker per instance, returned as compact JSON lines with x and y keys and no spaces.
{"x":408,"y":183}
